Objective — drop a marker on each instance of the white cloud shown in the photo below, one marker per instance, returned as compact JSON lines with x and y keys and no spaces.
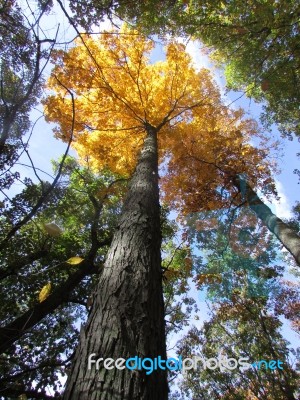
{"x":201,"y":60}
{"x":282,"y":207}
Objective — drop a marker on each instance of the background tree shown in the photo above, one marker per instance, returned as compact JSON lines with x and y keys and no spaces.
{"x":258,"y":44}
{"x":239,"y":329}
{"x":24,"y":55}
{"x":245,"y":291}
{"x":231,"y":186}
{"x":25,"y":52}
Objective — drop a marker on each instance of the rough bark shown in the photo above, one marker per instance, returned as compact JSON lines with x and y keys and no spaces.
{"x":127,"y":316}
{"x":287,"y":236}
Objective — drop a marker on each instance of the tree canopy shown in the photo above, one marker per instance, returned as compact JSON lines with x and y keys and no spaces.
{"x":129,"y":92}
{"x":256,"y":42}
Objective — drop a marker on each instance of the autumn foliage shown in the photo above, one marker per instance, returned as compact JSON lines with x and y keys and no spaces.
{"x":116,"y":92}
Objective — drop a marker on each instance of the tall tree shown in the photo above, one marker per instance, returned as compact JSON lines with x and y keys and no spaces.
{"x":239,"y":328}
{"x":138,"y":105}
{"x":245,"y":287}
{"x":85,"y":206}
{"x":24,"y":55}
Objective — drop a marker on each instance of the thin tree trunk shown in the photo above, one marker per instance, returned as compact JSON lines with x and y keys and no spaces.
{"x":6,"y":125}
{"x":287,"y":236}
{"x":127,"y":317}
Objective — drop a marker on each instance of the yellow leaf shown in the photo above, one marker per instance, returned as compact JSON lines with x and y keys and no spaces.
{"x":44,"y":293}
{"x":74,"y":260}
{"x":22,"y":397}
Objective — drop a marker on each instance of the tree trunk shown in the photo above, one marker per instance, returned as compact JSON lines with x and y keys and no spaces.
{"x":287,"y":236}
{"x":127,"y":317}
